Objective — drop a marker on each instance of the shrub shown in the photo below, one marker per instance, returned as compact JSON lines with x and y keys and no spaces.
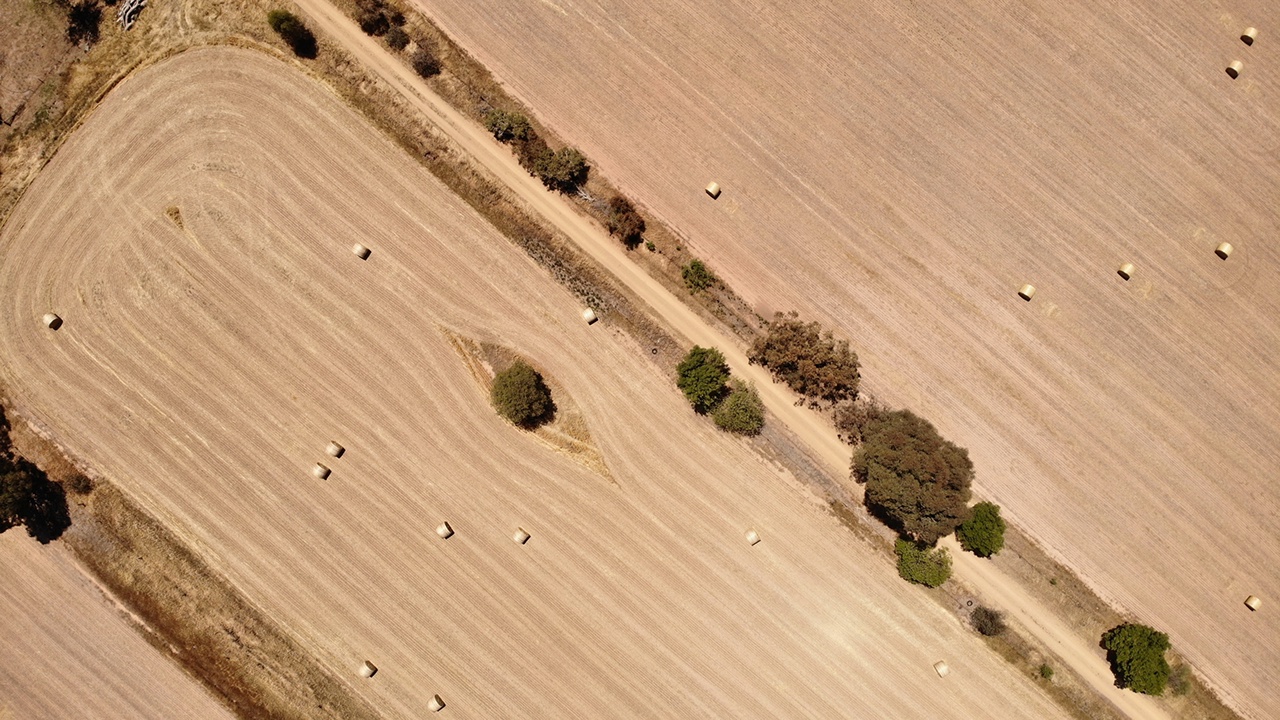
{"x":83,"y":20}
{"x":697,"y":277}
{"x":852,"y":417}
{"x":701,"y":376}
{"x":295,"y":34}
{"x":922,"y":565}
{"x":564,"y":170}
{"x":1180,"y":680}
{"x":424,"y":62}
{"x":983,"y":533}
{"x":1136,"y":653}
{"x":987,"y":621}
{"x":521,"y":396}
{"x":534,"y":154}
{"x":742,"y":411}
{"x":377,"y":18}
{"x":1046,"y":672}
{"x":807,"y":359}
{"x":916,"y":481}
{"x":28,"y":497}
{"x":397,"y":39}
{"x":508,"y":126}
{"x":624,"y":222}
{"x":79,"y":484}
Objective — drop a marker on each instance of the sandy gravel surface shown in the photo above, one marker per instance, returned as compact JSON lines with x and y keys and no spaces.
{"x":205,"y":367}
{"x":900,"y":172}
{"x":68,"y":651}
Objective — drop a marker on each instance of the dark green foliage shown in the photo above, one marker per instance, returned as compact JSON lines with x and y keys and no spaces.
{"x":397,"y":39}
{"x":534,"y":153}
{"x":295,"y":34}
{"x":563,"y":170}
{"x":521,"y":396}
{"x":624,"y":222}
{"x":917,"y":482}
{"x":1136,"y":653}
{"x":807,"y":359}
{"x":696,"y":276}
{"x":508,"y":126}
{"x":852,"y":417}
{"x":701,"y":376}
{"x":83,"y":19}
{"x":988,"y":622}
{"x":1046,"y":672}
{"x":742,"y":411}
{"x":922,"y":565}
{"x":424,"y":62}
{"x":983,"y":533}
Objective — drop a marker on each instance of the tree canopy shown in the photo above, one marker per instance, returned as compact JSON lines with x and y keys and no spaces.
{"x":624,"y":222}
{"x":701,"y":376}
{"x":916,"y":481}
{"x":521,"y":396}
{"x":1136,"y":653}
{"x":697,"y":276}
{"x":808,"y":360}
{"x":983,"y":533}
{"x":742,"y":411}
{"x":922,"y":565}
{"x":292,"y":30}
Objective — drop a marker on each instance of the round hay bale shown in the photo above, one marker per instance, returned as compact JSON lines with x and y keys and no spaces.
{"x":521,"y":537}
{"x":941,"y":668}
{"x":753,"y":537}
{"x":1027,"y":292}
{"x":445,"y":530}
{"x":52,"y":321}
{"x":1234,"y":69}
{"x":1253,"y":602}
{"x":320,"y":471}
{"x":1249,"y":35}
{"x":589,"y":315}
{"x":368,"y":669}
{"x":360,"y":251}
{"x":435,"y":704}
{"x":713,"y":189}
{"x":1224,"y":250}
{"x":1126,"y":271}
{"x":334,"y":449}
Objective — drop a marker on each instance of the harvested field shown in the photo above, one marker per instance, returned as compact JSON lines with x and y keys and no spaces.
{"x":206,"y":367}
{"x":68,"y":652}
{"x":901,"y":173}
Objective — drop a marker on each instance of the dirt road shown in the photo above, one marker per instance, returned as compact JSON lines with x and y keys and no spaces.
{"x":1081,"y":654}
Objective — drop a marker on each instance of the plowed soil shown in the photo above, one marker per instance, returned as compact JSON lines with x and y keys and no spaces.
{"x":195,"y":236}
{"x":900,"y":171}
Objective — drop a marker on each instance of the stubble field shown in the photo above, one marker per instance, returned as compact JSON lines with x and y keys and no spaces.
{"x":901,"y":171}
{"x":195,"y":236}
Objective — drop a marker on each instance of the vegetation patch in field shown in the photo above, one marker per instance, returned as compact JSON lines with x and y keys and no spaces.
{"x":922,"y":564}
{"x":742,"y":410}
{"x":1136,"y":653}
{"x":520,"y":395}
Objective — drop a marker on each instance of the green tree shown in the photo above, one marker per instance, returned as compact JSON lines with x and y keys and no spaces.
{"x":916,"y":481}
{"x":808,"y":360}
{"x":1136,"y":653}
{"x":983,"y":533}
{"x":697,"y":277}
{"x":922,"y":565}
{"x":564,"y":170}
{"x":521,"y":396}
{"x":295,"y":34}
{"x":742,"y":411}
{"x":624,"y":221}
{"x":701,"y":376}
{"x":508,"y":126}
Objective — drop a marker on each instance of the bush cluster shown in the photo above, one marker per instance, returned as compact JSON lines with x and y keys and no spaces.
{"x":397,"y":39}
{"x":27,"y":496}
{"x":563,"y":170}
{"x":521,"y":396}
{"x":83,"y":21}
{"x":852,"y":417}
{"x":807,"y":359}
{"x":917,"y":482}
{"x":697,"y":277}
{"x":922,"y":565}
{"x":624,"y":222}
{"x":987,"y":621}
{"x":701,"y":376}
{"x":424,"y":62}
{"x":1136,"y":653}
{"x":983,"y":533}
{"x":741,"y":411}
{"x":294,"y":33}
{"x":377,"y":17}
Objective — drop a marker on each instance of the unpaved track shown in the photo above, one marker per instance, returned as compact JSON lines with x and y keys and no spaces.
{"x":1081,"y":654}
{"x":899,"y":170}
{"x":205,"y":368}
{"x":67,"y":651}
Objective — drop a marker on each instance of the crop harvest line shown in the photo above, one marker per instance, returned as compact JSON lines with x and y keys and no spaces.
{"x":982,"y":576}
